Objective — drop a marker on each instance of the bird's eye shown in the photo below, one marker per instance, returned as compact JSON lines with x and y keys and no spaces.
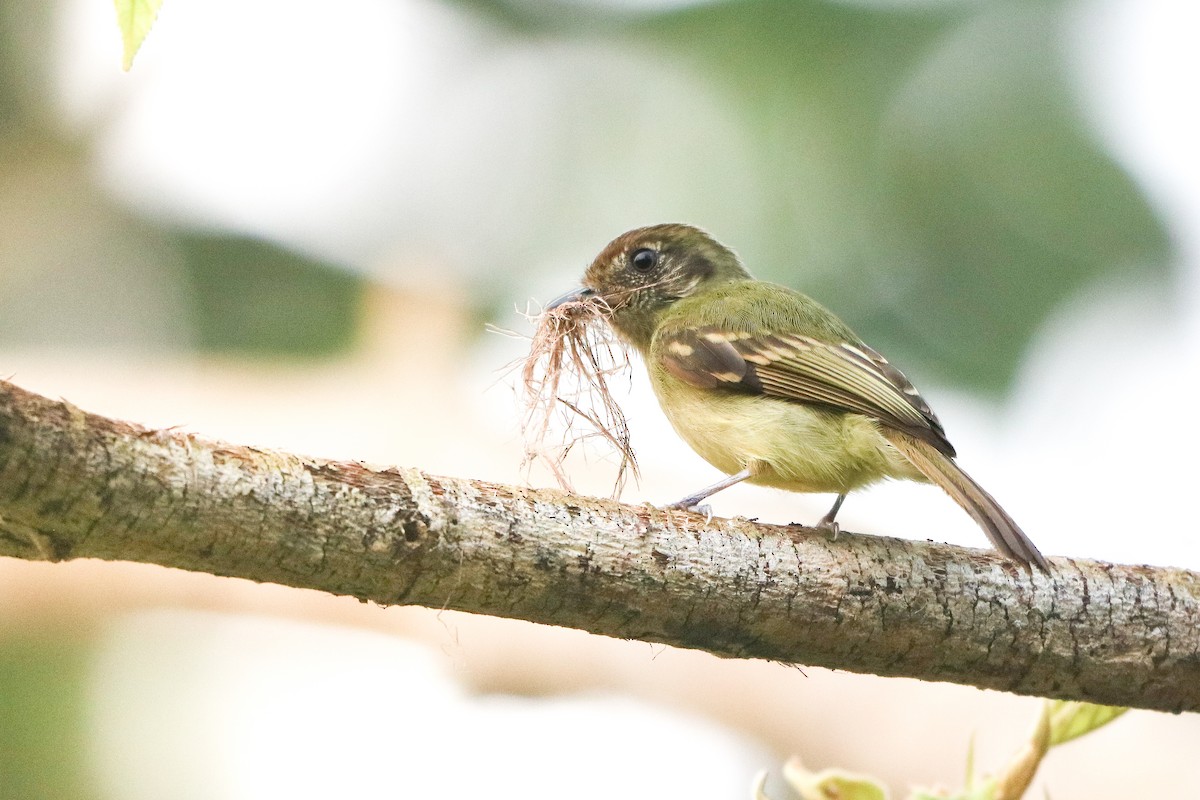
{"x":644,"y":260}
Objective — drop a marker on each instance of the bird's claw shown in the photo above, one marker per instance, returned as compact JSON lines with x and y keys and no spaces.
{"x":829,"y":526}
{"x":695,"y":508}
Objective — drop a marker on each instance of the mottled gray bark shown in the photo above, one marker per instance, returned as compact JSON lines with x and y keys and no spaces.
{"x":75,"y":485}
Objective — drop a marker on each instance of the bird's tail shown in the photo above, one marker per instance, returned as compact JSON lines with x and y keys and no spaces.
{"x":939,"y":468}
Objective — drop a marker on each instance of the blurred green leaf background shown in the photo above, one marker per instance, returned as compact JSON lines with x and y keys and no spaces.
{"x":924,"y":169}
{"x":927,"y":169}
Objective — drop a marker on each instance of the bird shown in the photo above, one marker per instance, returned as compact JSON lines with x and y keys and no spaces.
{"x":769,"y":386}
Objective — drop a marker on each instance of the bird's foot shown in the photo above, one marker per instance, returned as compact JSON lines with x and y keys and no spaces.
{"x":689,"y":504}
{"x":827,"y":523}
{"x":829,"y":526}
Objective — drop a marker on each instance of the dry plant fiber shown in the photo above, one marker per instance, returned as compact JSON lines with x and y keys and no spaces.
{"x":566,"y":377}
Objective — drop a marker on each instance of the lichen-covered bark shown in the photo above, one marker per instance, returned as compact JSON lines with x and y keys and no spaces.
{"x":75,"y":485}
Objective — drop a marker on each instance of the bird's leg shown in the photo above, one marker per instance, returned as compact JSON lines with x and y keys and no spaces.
{"x":827,"y":522}
{"x":692,"y":501}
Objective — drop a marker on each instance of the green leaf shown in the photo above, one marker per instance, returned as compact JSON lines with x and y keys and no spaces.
{"x":832,"y":784}
{"x":1070,"y":720}
{"x":135,"y":18}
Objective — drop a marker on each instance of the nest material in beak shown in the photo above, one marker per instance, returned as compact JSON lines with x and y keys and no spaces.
{"x":573,"y":355}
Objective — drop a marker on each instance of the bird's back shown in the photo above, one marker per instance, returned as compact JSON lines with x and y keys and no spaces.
{"x":756,"y":307}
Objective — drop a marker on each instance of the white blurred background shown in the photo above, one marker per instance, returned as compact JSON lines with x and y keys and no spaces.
{"x":289,"y":223}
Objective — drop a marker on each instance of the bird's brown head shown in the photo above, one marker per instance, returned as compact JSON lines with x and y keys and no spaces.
{"x":642,"y":272}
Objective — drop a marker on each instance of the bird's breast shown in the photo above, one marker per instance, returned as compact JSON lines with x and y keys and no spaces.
{"x":788,"y":445}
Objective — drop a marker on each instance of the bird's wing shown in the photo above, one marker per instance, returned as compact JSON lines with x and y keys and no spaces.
{"x":845,"y":377}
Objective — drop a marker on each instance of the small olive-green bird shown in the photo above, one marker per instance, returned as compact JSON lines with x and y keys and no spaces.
{"x":769,"y":386}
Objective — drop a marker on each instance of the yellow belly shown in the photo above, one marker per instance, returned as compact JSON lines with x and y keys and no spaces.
{"x":784,"y":444}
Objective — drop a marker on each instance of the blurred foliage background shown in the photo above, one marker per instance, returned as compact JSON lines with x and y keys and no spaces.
{"x":288,"y":223}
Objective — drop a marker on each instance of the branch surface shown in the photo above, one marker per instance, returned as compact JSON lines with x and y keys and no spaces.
{"x":77,"y":485}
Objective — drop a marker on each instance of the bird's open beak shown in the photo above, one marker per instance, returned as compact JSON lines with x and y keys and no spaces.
{"x":572,"y":296}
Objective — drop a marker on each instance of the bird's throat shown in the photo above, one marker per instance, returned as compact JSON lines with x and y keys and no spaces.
{"x":635,"y":327}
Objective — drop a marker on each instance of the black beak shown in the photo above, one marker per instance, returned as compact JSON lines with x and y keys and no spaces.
{"x":572,"y":296}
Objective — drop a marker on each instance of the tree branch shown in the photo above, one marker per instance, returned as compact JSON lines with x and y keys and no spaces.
{"x":76,"y":485}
